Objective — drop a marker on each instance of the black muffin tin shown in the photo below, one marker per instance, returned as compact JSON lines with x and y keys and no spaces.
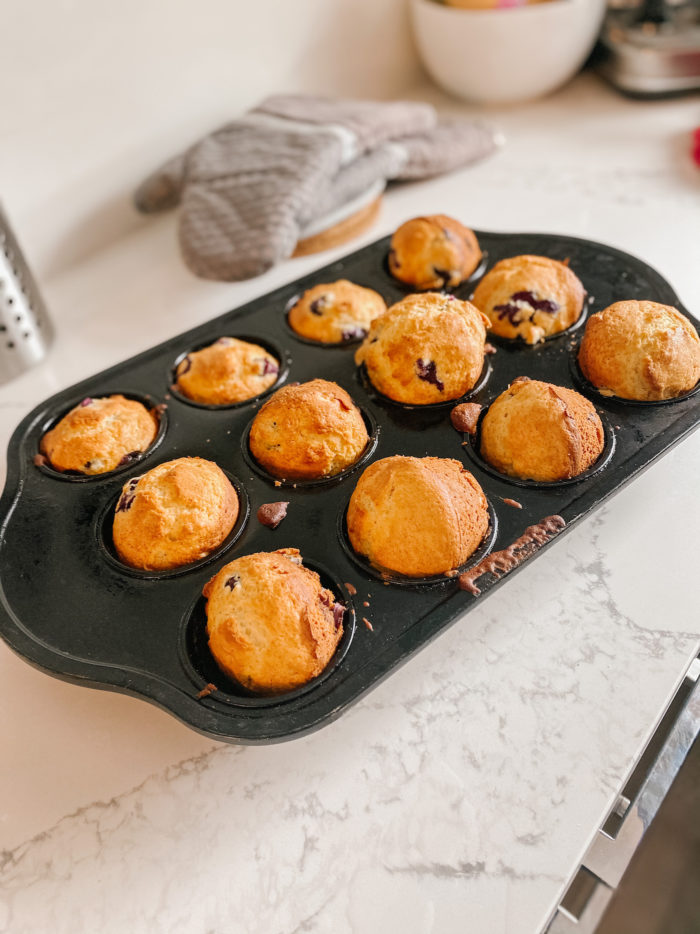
{"x":68,"y":606}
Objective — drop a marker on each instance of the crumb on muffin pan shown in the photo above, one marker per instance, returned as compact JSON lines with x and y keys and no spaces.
{"x":99,"y":619}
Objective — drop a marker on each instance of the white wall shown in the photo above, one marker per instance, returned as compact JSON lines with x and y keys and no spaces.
{"x":96,"y":93}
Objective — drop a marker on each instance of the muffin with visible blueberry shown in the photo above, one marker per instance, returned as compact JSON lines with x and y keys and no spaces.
{"x":537,"y":431}
{"x":426,"y":348}
{"x":337,"y":312}
{"x":306,"y":431}
{"x":272,"y":626}
{"x":530,"y":297}
{"x":177,"y":513}
{"x":417,"y":516}
{"x":99,"y":435}
{"x":226,"y":372}
{"x":433,"y":252}
{"x":640,"y":350}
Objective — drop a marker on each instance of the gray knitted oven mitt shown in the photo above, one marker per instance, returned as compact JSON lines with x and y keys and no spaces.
{"x":248,"y":189}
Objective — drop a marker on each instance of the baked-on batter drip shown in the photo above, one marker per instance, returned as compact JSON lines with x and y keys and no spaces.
{"x":499,"y":563}
{"x":465,"y":417}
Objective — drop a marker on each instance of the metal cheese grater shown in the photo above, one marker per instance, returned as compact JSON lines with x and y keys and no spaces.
{"x":25,"y":327}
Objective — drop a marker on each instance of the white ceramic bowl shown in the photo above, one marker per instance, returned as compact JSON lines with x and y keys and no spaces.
{"x":505,"y":55}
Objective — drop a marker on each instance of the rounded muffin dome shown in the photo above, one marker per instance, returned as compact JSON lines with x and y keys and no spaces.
{"x":433,"y":252}
{"x":418,"y":516}
{"x":177,"y":513}
{"x":537,"y":431}
{"x":306,"y":431}
{"x":226,"y":372}
{"x":335,"y":312}
{"x":640,"y":350}
{"x":99,"y":435}
{"x":530,"y":297}
{"x":272,"y":626}
{"x":426,"y":348}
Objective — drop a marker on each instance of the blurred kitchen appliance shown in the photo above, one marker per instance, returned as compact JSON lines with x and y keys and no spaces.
{"x":651,"y":48}
{"x":25,"y":327}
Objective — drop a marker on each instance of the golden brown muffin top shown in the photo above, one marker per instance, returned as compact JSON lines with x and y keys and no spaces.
{"x":537,"y":431}
{"x":99,"y":435}
{"x":335,"y":312}
{"x":177,"y":513}
{"x":433,"y":252}
{"x":640,"y":350}
{"x":418,"y":516}
{"x":530,"y":297}
{"x":306,"y":431}
{"x":426,"y":348}
{"x":226,"y":372}
{"x":272,"y":626}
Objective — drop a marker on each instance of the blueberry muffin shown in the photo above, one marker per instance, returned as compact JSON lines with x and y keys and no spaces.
{"x":176,"y":513}
{"x":306,"y":431}
{"x":537,"y":431}
{"x":433,"y":252}
{"x":426,"y":348}
{"x":225,"y":372}
{"x":640,"y":350}
{"x":335,"y":312}
{"x":417,"y":515}
{"x":99,"y":435}
{"x":530,"y":297}
{"x":272,"y":626}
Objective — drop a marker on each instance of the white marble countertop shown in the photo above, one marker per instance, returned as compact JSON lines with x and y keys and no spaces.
{"x":460,"y":794}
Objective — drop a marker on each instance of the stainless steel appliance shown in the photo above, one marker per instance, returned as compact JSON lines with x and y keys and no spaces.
{"x":651,"y":48}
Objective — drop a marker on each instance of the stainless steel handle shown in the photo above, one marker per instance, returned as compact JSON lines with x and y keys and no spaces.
{"x":609,"y":855}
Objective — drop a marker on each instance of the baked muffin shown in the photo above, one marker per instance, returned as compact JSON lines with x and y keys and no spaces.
{"x":306,"y":431}
{"x":336,"y":312}
{"x":271,"y":625}
{"x":426,"y":348}
{"x":530,"y":297}
{"x":225,"y":372}
{"x":433,"y":252}
{"x":537,"y":431}
{"x":417,"y":515}
{"x":640,"y":350}
{"x":99,"y":435}
{"x":178,"y":512}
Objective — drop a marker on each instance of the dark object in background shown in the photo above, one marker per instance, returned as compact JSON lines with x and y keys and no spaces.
{"x":651,"y":48}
